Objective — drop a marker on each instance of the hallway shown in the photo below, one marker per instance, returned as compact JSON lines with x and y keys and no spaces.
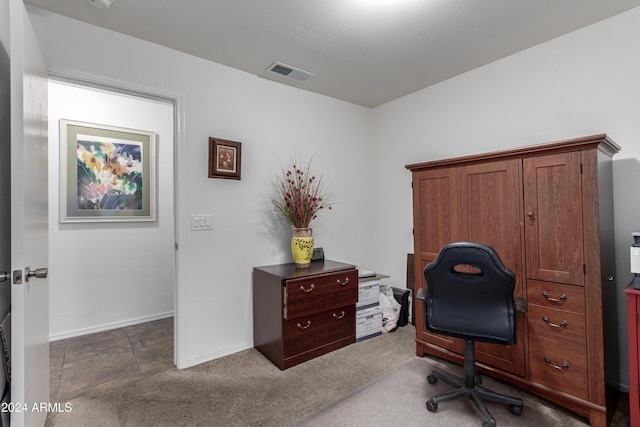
{"x":106,"y":360}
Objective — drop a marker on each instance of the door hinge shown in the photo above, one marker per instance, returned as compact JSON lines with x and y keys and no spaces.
{"x":584,"y":269}
{"x":581,"y":169}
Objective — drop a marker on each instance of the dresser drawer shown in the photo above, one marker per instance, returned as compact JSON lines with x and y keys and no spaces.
{"x":557,"y":323}
{"x":556,"y":295}
{"x":558,"y":362}
{"x":319,"y":293}
{"x":312,"y":331}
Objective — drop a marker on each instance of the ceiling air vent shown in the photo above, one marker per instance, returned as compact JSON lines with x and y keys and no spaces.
{"x":289,"y":72}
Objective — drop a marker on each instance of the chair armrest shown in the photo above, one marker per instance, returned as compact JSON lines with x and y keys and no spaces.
{"x":421,"y":295}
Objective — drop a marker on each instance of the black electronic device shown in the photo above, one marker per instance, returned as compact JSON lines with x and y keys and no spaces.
{"x":317,"y":254}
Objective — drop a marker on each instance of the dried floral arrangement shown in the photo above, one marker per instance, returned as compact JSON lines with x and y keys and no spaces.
{"x":299,"y":195}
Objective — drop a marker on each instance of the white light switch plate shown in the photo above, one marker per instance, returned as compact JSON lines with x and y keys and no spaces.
{"x":201,"y":222}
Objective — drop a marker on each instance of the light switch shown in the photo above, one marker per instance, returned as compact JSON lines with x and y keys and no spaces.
{"x":201,"y":222}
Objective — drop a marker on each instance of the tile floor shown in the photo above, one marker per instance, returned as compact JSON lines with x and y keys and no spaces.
{"x":105,"y":360}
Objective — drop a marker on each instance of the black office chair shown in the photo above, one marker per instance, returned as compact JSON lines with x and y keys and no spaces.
{"x":470,"y":296}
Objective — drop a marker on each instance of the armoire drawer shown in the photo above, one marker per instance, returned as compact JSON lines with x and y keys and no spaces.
{"x":556,"y":295}
{"x":558,"y":362}
{"x":320,"y":293}
{"x":312,"y":331}
{"x":559,"y":324}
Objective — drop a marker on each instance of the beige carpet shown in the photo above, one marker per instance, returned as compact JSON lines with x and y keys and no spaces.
{"x":245,"y":389}
{"x":242,"y":389}
{"x":398,"y":398}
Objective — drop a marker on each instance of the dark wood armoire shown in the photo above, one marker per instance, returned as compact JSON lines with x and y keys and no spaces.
{"x":548,"y":212}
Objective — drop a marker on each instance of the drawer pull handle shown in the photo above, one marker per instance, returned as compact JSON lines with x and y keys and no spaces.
{"x":546,"y":295}
{"x":342,"y":283}
{"x":555,"y":325}
{"x":305,"y":326}
{"x":312,"y":287}
{"x":339,"y":316}
{"x":565,"y":365}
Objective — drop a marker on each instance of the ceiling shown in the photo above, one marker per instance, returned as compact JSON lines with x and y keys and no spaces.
{"x":367,"y":52}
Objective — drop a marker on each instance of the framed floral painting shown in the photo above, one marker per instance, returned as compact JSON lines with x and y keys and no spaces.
{"x":224,"y":158}
{"x":107,"y":173}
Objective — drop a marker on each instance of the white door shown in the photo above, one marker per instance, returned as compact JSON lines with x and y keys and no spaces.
{"x":29,"y":221}
{"x":5,"y":215}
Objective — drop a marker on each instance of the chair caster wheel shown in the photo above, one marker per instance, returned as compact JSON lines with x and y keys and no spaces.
{"x":516,"y":409}
{"x":488,"y":424}
{"x":432,"y":379}
{"x":432,"y":406}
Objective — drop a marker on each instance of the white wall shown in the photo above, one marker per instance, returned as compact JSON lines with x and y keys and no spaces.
{"x":581,"y":84}
{"x":214,"y":301}
{"x":105,"y":275}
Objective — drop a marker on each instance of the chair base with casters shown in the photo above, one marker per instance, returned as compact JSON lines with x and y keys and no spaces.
{"x":469,"y":389}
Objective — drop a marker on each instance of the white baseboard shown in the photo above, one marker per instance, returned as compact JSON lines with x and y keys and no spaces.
{"x":212,"y":356}
{"x":109,"y":326}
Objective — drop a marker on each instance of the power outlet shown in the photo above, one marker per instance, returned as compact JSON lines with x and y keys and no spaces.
{"x":201,"y":222}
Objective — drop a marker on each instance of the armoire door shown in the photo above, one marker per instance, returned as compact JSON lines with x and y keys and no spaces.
{"x":553,"y":218}
{"x":490,"y":197}
{"x":436,"y":223}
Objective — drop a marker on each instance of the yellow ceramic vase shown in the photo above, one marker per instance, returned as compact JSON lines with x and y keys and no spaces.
{"x":302,"y":247}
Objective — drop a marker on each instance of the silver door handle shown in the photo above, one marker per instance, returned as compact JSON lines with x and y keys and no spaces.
{"x":38,"y":273}
{"x":4,"y":276}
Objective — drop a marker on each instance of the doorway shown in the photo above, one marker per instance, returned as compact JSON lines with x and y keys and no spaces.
{"x":106,"y":276}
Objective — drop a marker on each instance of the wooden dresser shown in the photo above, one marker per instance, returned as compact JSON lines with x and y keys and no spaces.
{"x":299,"y":314}
{"x":548,"y":212}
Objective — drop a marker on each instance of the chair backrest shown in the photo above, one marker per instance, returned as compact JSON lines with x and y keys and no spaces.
{"x":473,"y":303}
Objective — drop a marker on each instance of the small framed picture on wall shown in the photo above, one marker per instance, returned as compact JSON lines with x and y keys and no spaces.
{"x":224,"y":158}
